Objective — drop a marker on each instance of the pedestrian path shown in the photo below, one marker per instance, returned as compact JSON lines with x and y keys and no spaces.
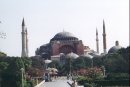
{"x":60,"y":82}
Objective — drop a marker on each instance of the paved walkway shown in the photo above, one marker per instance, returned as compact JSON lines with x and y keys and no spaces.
{"x":60,"y":82}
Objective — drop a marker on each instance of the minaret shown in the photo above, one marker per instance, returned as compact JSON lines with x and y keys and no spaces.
{"x":104,"y":38}
{"x":97,"y":41}
{"x":26,"y":42}
{"x":24,"y":51}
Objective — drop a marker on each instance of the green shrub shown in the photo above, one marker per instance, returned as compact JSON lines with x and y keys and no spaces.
{"x":81,"y":80}
{"x":87,"y":85}
{"x":117,"y":76}
{"x":29,"y":84}
{"x":112,"y":82}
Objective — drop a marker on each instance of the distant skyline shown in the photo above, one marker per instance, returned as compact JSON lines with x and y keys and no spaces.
{"x":45,"y":18}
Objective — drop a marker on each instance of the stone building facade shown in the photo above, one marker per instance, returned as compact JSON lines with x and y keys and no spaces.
{"x":62,"y":42}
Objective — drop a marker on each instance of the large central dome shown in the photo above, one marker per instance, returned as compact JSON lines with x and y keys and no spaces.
{"x":64,"y":36}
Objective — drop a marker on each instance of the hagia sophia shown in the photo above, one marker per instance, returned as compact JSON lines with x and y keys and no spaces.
{"x":64,"y":43}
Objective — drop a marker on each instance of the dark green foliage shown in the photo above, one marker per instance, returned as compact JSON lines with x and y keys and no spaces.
{"x":117,"y":62}
{"x":12,"y":75}
{"x":63,"y":69}
{"x":117,"y":76}
{"x":117,"y":69}
{"x":29,"y":84}
{"x":81,"y":80}
{"x":27,"y":63}
{"x":75,"y":64}
{"x":54,"y":64}
{"x":125,"y":53}
{"x":10,"y":71}
{"x":112,"y":83}
{"x":37,"y":62}
{"x":10,"y":80}
{"x":87,"y":85}
{"x":114,"y":63}
{"x":81,"y":62}
{"x":97,"y":61}
{"x":3,"y":66}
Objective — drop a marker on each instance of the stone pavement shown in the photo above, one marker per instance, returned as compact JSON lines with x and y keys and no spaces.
{"x":59,"y":82}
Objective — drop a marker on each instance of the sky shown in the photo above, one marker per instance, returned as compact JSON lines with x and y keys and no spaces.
{"x":45,"y":18}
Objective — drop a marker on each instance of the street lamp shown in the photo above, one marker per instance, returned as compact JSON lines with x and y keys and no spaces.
{"x":22,"y":72}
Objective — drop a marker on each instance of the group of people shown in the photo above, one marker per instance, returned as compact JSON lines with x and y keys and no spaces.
{"x":49,"y":77}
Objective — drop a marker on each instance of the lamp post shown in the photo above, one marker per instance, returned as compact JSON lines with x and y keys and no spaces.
{"x":22,"y":73}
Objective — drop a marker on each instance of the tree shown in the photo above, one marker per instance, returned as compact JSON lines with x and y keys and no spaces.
{"x":37,"y":62}
{"x":55,"y":64}
{"x":2,"y":54}
{"x":11,"y":73}
{"x":125,"y":53}
{"x":27,"y":63}
{"x":81,"y":62}
{"x":97,"y":61}
{"x":3,"y":66}
{"x":114,"y":63}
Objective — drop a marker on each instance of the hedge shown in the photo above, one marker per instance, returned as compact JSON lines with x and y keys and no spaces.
{"x":112,"y":82}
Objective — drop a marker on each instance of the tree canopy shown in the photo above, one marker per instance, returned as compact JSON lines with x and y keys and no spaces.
{"x":2,"y":54}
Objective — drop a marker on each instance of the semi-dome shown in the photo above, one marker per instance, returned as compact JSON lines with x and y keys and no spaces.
{"x":87,"y":55}
{"x":64,"y":36}
{"x":72,"y":55}
{"x":115,"y":48}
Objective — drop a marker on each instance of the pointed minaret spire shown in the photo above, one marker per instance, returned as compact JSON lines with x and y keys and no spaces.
{"x":23,"y":24}
{"x":97,"y":41}
{"x":24,"y":40}
{"x":104,"y":38}
{"x":104,"y":31}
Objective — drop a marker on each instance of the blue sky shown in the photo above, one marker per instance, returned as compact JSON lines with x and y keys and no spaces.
{"x":45,"y":18}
